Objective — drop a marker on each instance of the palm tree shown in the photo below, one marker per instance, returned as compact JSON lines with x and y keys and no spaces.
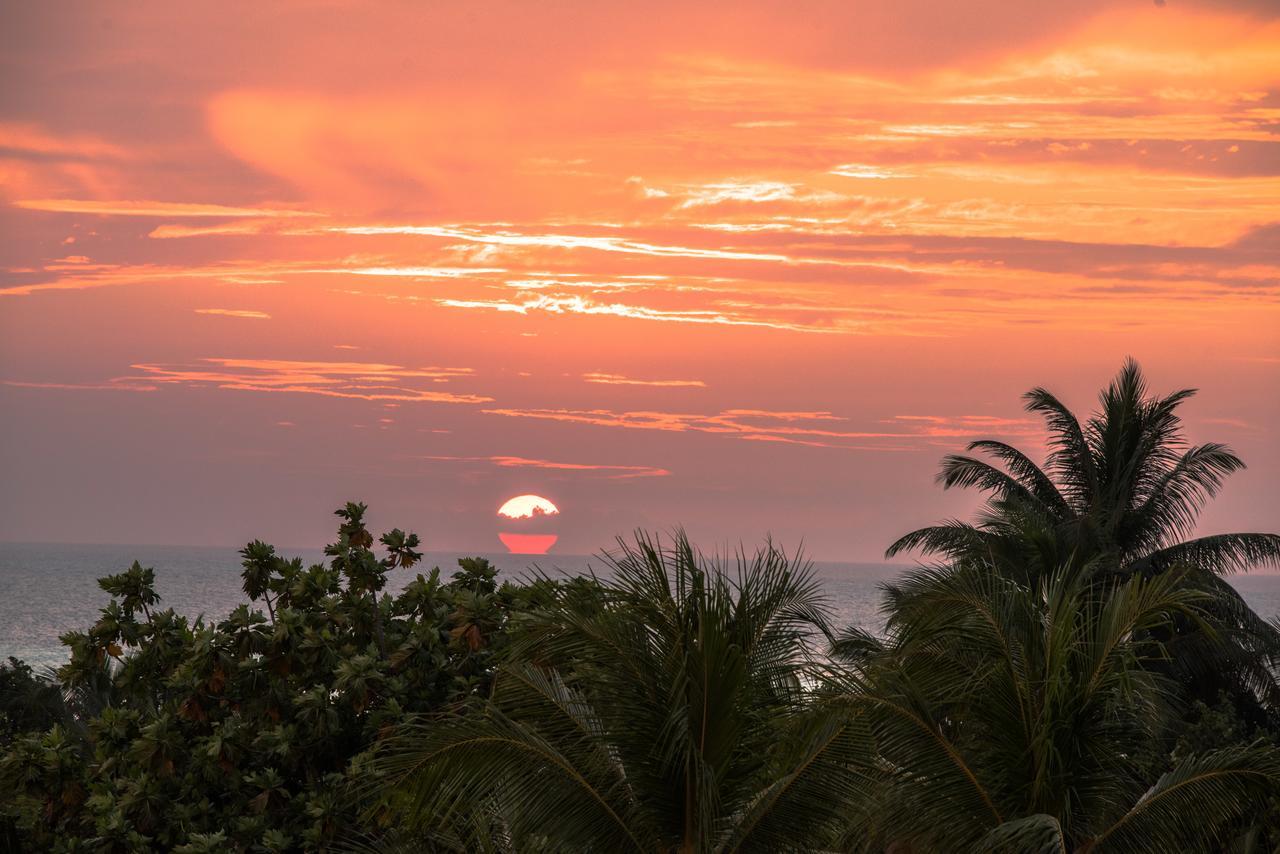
{"x":1125,"y":486}
{"x":1119,"y":495}
{"x":1026,"y":719}
{"x":666,"y":712}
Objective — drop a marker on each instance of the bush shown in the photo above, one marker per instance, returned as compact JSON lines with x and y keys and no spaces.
{"x":244,"y":734}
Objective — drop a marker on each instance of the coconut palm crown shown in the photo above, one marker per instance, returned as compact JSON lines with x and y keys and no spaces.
{"x":1014,"y":718}
{"x":1122,"y":490}
{"x":664,"y":713}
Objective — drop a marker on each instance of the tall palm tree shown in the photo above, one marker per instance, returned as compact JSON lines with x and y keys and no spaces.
{"x":1013,"y":718}
{"x":1119,"y":495}
{"x":1124,"y":486}
{"x":664,"y":713}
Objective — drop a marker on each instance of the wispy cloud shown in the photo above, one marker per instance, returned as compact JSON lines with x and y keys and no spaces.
{"x":614,"y":472}
{"x":811,"y":428}
{"x":868,"y":171}
{"x":222,"y":229}
{"x":561,"y":241}
{"x":595,"y":285}
{"x":416,"y":272}
{"x":1234,"y":423}
{"x":738,"y":191}
{"x":84,"y":276}
{"x":150,"y":208}
{"x":31,"y":140}
{"x":248,"y":314}
{"x":123,"y":384}
{"x":574,"y":304}
{"x":619,"y":379}
{"x":959,"y":426}
{"x":738,"y":423}
{"x":351,"y":380}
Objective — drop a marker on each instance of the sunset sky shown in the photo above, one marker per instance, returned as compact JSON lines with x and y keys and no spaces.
{"x":751,"y":268}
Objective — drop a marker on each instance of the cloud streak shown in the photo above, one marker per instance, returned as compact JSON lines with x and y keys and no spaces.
{"x":114,"y":385}
{"x":562,"y":241}
{"x":570,"y":305}
{"x":366,"y":381}
{"x":599,"y":378}
{"x":146,"y":208}
{"x":245,"y":313}
{"x":613,"y":472}
{"x":808,"y":428}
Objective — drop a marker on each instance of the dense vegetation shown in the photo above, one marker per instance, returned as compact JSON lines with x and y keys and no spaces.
{"x":1073,"y":674}
{"x":165,"y":733}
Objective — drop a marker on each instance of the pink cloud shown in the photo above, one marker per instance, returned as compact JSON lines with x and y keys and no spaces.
{"x":132,"y":207}
{"x":618,"y":379}
{"x":115,"y":385}
{"x":616,"y":472}
{"x":350,"y":380}
{"x":235,"y":312}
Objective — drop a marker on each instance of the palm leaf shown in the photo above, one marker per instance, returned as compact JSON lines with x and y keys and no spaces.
{"x":1220,"y":553}
{"x":1034,"y":834}
{"x":1197,"y":804}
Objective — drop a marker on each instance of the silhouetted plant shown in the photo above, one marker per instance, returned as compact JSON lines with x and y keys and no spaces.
{"x":1119,"y":496}
{"x":665,"y":711}
{"x":1016,"y":718}
{"x":243,"y":734}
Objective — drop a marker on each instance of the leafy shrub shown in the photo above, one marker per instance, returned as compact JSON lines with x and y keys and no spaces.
{"x":167,"y":733}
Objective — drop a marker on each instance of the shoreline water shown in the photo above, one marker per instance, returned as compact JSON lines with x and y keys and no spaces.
{"x":47,"y":589}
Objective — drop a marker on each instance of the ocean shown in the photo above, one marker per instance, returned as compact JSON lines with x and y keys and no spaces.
{"x":47,"y":589}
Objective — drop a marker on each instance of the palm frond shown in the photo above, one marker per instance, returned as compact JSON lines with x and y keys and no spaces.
{"x":548,"y":781}
{"x":1034,"y":834}
{"x":1027,"y":472}
{"x":968,"y":472}
{"x":816,"y":784}
{"x":854,"y":644}
{"x":953,"y":539}
{"x":1070,"y":462}
{"x":1219,"y":553}
{"x":1197,"y":804}
{"x":1176,"y":496}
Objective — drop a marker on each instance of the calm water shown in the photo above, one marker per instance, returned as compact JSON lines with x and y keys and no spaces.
{"x":48,"y":589}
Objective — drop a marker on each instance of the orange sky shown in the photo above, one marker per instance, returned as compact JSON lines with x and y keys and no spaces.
{"x":749,"y":267}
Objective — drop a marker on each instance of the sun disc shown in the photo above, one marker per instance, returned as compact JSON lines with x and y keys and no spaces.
{"x":527,"y":507}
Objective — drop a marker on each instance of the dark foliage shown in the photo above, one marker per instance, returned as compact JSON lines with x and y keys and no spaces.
{"x":243,"y":734}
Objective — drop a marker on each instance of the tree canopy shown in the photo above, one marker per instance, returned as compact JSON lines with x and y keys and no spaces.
{"x":163,"y":732}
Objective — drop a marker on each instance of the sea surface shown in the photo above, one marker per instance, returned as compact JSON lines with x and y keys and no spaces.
{"x":48,"y":589}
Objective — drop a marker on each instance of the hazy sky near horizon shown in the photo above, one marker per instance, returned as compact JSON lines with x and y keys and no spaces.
{"x":751,"y":268}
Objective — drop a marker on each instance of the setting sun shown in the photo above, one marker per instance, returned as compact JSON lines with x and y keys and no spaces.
{"x":529,"y":524}
{"x":527,"y":507}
